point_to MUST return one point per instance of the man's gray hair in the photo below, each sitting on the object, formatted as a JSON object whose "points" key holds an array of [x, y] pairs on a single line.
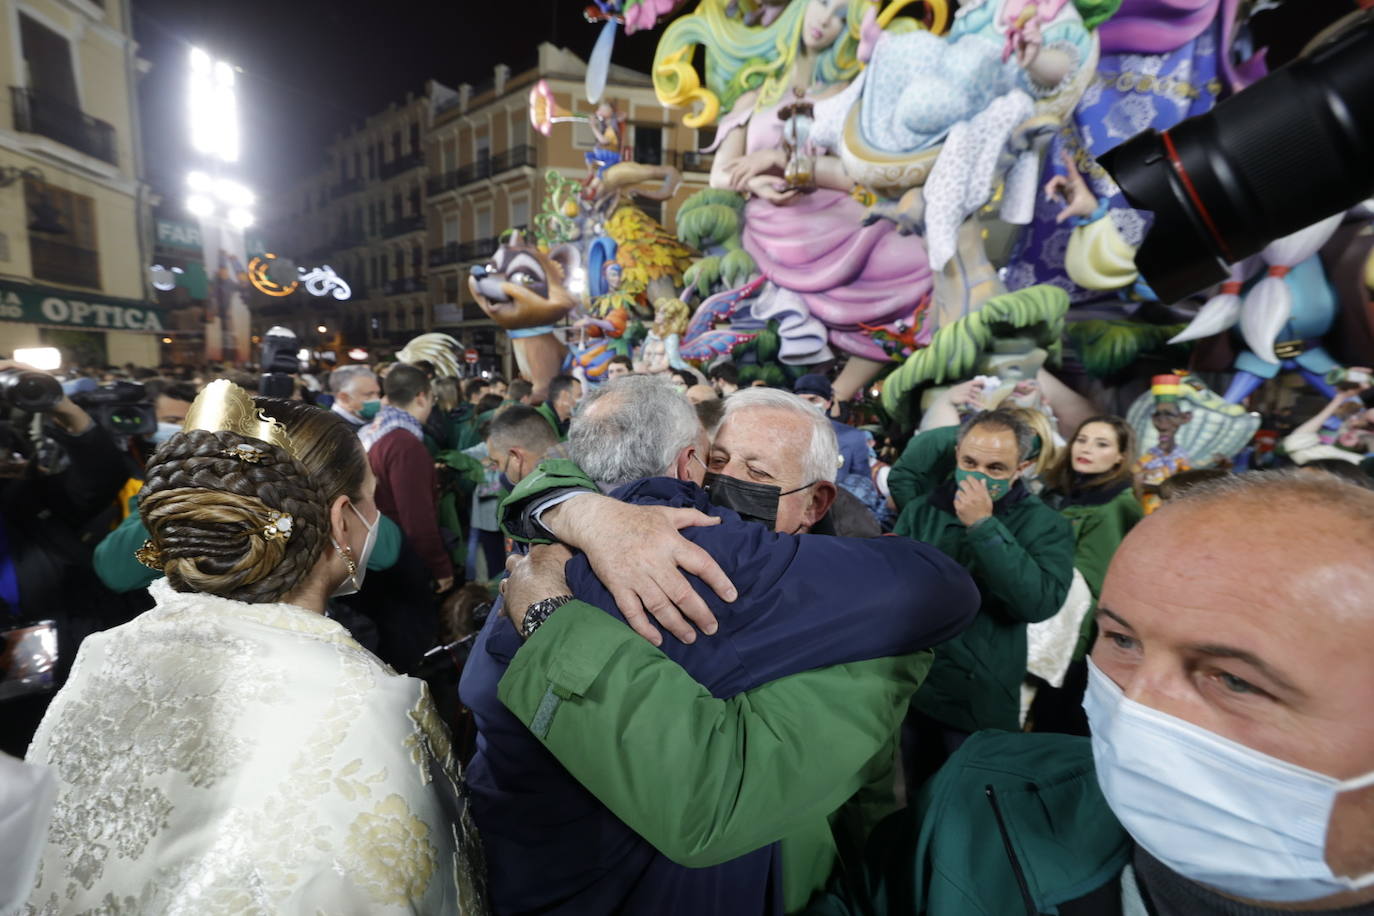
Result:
{"points": [[631, 428], [822, 458], [344, 376], [1003, 418]]}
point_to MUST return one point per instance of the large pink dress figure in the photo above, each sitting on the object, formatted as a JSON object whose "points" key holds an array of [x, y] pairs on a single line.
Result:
{"points": [[815, 245]]}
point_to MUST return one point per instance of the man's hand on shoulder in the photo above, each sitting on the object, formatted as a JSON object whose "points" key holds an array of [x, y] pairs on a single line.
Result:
{"points": [[638, 554]]}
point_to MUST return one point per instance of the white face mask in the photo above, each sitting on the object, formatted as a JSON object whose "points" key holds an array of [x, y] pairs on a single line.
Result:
{"points": [[1212, 810], [354, 582]]}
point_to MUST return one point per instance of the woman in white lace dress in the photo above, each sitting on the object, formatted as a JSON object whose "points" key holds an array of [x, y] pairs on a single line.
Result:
{"points": [[233, 750]]}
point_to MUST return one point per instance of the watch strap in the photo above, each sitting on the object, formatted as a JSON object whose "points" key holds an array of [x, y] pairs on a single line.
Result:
{"points": [[539, 612]]}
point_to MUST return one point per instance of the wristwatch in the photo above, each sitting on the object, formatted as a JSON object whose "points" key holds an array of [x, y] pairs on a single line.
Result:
{"points": [[539, 612]]}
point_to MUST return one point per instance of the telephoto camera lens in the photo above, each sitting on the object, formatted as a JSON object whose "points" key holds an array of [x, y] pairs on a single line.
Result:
{"points": [[1287, 152], [30, 391]]}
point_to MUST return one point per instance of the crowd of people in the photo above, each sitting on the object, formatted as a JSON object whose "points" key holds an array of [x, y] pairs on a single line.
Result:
{"points": [[668, 644]]}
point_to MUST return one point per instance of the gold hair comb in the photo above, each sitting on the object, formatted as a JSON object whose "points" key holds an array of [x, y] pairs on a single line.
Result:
{"points": [[149, 556], [225, 406]]}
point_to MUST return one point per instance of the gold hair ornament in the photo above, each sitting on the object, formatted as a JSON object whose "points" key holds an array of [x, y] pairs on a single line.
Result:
{"points": [[224, 406], [149, 556], [279, 525]]}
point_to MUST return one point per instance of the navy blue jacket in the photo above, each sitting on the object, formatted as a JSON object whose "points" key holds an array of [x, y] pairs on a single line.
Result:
{"points": [[853, 449], [805, 602]]}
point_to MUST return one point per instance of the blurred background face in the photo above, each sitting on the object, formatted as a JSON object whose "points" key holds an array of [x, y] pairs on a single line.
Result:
{"points": [[1095, 450]]}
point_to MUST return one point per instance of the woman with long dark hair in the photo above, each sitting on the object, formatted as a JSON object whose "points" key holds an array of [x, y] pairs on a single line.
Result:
{"points": [[1093, 486]]}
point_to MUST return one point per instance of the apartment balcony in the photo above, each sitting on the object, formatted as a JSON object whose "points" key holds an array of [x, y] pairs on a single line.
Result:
{"points": [[478, 249], [403, 225], [63, 263], [513, 158], [399, 166], [35, 114], [347, 186], [438, 184], [452, 253], [474, 171], [401, 285]]}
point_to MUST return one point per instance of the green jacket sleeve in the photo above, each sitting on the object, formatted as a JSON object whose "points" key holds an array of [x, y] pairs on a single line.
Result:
{"points": [[1029, 572], [114, 556], [924, 465], [1101, 533], [551, 477], [704, 780]]}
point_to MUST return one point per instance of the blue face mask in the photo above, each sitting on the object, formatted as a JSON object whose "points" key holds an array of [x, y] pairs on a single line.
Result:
{"points": [[164, 432]]}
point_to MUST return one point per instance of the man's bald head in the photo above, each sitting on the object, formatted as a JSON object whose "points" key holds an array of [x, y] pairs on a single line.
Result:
{"points": [[1246, 607]]}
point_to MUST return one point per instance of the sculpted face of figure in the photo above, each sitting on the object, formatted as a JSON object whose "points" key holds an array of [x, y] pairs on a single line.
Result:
{"points": [[1168, 418], [1258, 635], [823, 22]]}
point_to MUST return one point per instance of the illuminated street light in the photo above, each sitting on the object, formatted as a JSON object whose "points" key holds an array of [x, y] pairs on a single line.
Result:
{"points": [[240, 218], [322, 329], [214, 109], [200, 205], [201, 182]]}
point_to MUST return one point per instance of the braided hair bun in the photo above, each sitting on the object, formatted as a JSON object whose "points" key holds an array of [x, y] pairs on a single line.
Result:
{"points": [[249, 530]]}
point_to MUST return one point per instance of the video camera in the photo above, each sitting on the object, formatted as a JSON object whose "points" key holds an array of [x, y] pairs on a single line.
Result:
{"points": [[1285, 153], [121, 408], [280, 364], [29, 390]]}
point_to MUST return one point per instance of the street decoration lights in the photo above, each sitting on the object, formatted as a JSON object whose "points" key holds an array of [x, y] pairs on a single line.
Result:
{"points": [[223, 205]]}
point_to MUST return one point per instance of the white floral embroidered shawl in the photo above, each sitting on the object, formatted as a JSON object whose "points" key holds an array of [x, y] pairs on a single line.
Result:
{"points": [[220, 757]]}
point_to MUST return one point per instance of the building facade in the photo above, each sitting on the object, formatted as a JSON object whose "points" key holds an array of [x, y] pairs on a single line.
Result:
{"points": [[481, 172], [74, 233]]}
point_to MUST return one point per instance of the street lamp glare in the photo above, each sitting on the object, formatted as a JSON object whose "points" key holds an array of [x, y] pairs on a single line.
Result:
{"points": [[240, 218], [322, 329], [201, 182], [200, 205]]}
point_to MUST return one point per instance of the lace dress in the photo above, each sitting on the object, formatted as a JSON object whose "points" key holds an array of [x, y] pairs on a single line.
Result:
{"points": [[220, 757]]}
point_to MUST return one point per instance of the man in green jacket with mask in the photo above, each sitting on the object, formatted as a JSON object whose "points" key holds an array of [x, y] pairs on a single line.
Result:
{"points": [[960, 489]]}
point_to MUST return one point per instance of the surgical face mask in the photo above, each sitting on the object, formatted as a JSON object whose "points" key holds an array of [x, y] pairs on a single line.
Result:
{"points": [[997, 488], [354, 581], [755, 502], [1212, 810], [164, 432], [370, 409]]}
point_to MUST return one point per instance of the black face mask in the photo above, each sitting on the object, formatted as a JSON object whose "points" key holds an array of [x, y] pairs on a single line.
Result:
{"points": [[755, 502]]}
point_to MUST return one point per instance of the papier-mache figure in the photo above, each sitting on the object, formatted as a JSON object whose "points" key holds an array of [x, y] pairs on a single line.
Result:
{"points": [[1165, 459]]}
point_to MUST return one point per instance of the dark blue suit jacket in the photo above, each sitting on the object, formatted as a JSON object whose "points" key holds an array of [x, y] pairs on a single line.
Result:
{"points": [[805, 602]]}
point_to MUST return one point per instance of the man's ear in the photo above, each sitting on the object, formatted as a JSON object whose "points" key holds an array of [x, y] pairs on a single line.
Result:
{"points": [[1024, 466], [822, 498]]}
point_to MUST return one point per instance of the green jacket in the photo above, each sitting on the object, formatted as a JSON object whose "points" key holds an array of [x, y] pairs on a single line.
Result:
{"points": [[1022, 560], [1007, 811], [1098, 531], [707, 780], [117, 568], [551, 477], [548, 414]]}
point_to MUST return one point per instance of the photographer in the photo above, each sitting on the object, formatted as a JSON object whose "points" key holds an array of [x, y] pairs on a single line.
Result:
{"points": [[50, 490]]}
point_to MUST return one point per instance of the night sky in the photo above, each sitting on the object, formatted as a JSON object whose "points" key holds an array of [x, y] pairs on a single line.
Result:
{"points": [[310, 68]]}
